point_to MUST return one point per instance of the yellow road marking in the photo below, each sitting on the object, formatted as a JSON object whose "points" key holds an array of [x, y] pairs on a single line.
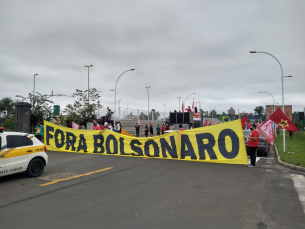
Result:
{"points": [[81, 175], [146, 158]]}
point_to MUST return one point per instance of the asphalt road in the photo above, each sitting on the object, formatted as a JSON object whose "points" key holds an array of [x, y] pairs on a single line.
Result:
{"points": [[151, 193]]}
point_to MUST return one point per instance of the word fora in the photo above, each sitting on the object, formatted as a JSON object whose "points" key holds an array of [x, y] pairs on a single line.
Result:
{"points": [[116, 145]]}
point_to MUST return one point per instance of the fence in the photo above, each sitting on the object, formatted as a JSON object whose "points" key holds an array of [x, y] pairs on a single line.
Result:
{"points": [[125, 113]]}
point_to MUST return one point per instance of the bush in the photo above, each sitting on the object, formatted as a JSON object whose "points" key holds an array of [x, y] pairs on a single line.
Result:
{"points": [[297, 124], [9, 124]]}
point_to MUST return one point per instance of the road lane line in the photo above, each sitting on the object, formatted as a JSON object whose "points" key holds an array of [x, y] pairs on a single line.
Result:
{"points": [[299, 185], [81, 175]]}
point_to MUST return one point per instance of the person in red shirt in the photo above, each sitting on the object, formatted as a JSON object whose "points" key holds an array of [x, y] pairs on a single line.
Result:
{"points": [[163, 128], [188, 109], [180, 126], [253, 140]]}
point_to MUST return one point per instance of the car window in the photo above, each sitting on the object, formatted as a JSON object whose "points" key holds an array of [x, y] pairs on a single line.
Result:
{"points": [[14, 141]]}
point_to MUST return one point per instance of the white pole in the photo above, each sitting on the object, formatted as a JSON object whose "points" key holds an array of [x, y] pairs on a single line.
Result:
{"points": [[115, 94]]}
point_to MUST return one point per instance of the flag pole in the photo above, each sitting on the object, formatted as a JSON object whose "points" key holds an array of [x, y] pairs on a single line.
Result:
{"points": [[238, 113]]}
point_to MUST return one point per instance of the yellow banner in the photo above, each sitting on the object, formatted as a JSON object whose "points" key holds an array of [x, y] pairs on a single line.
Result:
{"points": [[222, 143]]}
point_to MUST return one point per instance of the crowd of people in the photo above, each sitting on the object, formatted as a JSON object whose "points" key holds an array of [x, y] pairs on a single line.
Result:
{"points": [[149, 130]]}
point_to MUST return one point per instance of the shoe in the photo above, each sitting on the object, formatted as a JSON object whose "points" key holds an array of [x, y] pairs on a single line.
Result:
{"points": [[250, 166]]}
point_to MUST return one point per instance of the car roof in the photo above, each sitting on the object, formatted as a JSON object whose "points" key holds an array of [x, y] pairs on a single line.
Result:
{"points": [[13, 133]]}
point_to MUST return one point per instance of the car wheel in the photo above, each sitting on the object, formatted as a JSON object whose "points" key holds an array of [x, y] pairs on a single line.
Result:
{"points": [[35, 168]]}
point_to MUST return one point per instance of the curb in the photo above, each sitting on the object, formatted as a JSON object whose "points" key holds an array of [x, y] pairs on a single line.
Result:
{"points": [[278, 160]]}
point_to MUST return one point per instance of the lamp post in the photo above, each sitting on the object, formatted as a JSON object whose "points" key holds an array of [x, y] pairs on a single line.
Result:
{"points": [[34, 91], [88, 66], [179, 103], [282, 78], [119, 109], [273, 106], [98, 110], [164, 112], [213, 109], [115, 93], [187, 97], [148, 99]]}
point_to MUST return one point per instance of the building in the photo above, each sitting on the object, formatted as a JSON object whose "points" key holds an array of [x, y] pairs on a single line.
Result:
{"points": [[2, 114], [231, 111], [287, 110]]}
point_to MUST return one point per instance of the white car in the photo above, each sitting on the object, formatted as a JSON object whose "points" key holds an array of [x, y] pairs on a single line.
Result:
{"points": [[21, 152]]}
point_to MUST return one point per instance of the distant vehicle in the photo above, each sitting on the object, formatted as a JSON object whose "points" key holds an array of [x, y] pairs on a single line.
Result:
{"points": [[263, 144], [21, 152]]}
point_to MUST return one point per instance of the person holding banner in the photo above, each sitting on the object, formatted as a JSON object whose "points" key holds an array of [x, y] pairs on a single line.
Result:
{"points": [[39, 131], [253, 140]]}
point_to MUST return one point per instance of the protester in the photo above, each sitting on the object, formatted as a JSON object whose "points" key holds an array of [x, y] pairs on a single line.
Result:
{"points": [[180, 126], [163, 128], [118, 128], [253, 140], [109, 113], [137, 130], [290, 134], [188, 109], [151, 130], [278, 130], [83, 127], [39, 131], [158, 130], [146, 130]]}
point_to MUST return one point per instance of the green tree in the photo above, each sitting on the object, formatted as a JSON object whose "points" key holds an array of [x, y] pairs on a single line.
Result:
{"points": [[259, 111], [41, 107], [6, 104], [143, 116], [9, 124], [81, 110]]}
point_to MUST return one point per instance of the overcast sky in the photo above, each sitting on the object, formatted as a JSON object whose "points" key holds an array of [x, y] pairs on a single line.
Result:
{"points": [[176, 47]]}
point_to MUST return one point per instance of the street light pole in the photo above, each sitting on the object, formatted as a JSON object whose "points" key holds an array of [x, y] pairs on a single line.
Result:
{"points": [[88, 66], [187, 97], [115, 93], [273, 107], [119, 109], [179, 103], [213, 110], [148, 99], [282, 77], [34, 91]]}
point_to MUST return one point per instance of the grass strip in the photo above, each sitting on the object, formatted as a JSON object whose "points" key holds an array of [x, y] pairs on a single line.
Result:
{"points": [[295, 148]]}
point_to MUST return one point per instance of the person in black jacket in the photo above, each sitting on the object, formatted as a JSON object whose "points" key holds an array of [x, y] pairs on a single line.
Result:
{"points": [[137, 130], [151, 130]]}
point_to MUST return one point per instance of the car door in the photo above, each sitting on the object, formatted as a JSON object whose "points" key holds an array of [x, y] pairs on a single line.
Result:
{"points": [[2, 159], [18, 153]]}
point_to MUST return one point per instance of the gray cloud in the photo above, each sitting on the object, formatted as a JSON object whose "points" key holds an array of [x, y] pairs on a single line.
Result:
{"points": [[176, 47]]}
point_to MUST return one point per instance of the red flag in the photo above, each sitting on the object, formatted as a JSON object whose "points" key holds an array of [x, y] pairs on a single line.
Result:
{"points": [[182, 106], [244, 122], [281, 119], [96, 123], [139, 121], [193, 106], [150, 124], [266, 130]]}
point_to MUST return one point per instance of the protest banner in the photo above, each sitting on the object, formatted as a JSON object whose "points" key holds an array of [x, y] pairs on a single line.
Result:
{"points": [[219, 144], [266, 130]]}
